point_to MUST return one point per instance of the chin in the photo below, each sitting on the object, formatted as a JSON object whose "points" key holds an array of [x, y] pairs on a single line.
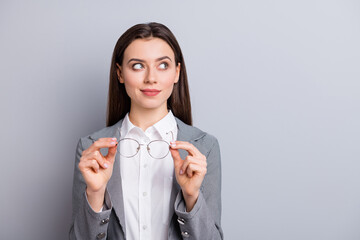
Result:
{"points": [[152, 106]]}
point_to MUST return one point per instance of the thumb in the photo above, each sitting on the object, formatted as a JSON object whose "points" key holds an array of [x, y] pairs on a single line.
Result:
{"points": [[111, 154], [177, 159]]}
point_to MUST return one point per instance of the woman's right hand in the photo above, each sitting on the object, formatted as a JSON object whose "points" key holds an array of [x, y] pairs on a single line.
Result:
{"points": [[97, 170]]}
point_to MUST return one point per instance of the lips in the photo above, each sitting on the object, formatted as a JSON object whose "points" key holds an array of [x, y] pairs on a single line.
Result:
{"points": [[150, 92]]}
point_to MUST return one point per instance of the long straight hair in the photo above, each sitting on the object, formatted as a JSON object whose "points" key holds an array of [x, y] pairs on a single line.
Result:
{"points": [[118, 100]]}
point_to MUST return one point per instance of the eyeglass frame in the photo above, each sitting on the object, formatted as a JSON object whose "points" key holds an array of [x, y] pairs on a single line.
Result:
{"points": [[147, 146]]}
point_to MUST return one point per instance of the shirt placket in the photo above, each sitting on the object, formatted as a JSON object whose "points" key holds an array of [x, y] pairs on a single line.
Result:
{"points": [[144, 192]]}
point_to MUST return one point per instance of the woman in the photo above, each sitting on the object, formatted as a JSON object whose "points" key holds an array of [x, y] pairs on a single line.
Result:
{"points": [[126, 184]]}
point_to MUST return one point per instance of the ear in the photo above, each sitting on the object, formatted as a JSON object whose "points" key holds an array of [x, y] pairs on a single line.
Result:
{"points": [[119, 73], [178, 67]]}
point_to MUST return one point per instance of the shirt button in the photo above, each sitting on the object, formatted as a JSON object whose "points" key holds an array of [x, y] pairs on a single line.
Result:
{"points": [[144, 227], [145, 165], [144, 194]]}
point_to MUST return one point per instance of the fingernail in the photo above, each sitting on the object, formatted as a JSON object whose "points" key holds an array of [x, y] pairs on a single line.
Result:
{"points": [[181, 172], [114, 139], [113, 143], [106, 166], [173, 144]]}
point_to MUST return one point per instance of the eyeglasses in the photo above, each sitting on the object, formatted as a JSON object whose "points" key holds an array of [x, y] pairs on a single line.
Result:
{"points": [[157, 149]]}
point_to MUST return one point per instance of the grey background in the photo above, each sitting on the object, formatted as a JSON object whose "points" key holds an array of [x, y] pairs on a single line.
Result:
{"points": [[277, 82]]}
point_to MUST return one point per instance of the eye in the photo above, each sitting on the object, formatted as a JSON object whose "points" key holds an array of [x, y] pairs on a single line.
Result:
{"points": [[137, 66], [163, 65]]}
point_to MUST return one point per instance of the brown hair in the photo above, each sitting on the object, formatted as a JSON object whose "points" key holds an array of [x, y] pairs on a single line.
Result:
{"points": [[119, 101]]}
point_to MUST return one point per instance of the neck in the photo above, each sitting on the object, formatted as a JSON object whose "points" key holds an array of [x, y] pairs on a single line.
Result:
{"points": [[144, 118]]}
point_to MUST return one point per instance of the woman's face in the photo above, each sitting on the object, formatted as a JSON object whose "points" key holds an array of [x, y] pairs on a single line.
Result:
{"points": [[149, 72]]}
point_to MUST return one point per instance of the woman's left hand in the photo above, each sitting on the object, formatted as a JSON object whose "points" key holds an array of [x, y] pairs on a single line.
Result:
{"points": [[189, 172]]}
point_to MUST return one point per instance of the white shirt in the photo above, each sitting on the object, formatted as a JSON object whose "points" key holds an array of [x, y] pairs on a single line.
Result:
{"points": [[147, 182]]}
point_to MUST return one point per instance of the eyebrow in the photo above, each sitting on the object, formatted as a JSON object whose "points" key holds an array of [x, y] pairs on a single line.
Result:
{"points": [[157, 60]]}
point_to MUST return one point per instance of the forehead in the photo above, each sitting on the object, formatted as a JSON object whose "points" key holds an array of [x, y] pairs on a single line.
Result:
{"points": [[148, 49]]}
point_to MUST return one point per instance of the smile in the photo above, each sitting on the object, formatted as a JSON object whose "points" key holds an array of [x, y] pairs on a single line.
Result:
{"points": [[150, 92]]}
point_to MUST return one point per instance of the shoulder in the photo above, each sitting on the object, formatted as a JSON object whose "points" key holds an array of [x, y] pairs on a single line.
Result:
{"points": [[111, 131], [201, 139]]}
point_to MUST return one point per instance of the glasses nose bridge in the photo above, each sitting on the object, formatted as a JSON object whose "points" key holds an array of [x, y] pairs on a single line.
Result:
{"points": [[149, 150], [144, 144]]}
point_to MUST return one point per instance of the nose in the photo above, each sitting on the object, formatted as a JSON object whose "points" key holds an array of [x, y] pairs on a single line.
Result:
{"points": [[151, 76]]}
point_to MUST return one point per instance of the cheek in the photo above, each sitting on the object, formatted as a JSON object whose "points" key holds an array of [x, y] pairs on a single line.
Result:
{"points": [[169, 83], [169, 79], [168, 88], [131, 80]]}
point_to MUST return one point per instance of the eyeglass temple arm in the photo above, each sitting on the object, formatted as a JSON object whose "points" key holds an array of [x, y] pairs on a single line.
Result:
{"points": [[172, 136]]}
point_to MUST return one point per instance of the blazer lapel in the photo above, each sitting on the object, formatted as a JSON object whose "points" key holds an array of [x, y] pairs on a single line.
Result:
{"points": [[181, 136], [115, 184], [188, 134]]}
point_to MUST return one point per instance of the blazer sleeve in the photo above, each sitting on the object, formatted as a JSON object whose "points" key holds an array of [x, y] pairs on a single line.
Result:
{"points": [[203, 221], [86, 224]]}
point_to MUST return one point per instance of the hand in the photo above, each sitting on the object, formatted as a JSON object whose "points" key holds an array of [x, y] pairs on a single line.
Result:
{"points": [[189, 172], [97, 169]]}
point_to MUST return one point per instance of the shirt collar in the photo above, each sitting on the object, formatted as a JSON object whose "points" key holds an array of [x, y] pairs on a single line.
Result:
{"points": [[126, 126], [163, 127], [166, 125]]}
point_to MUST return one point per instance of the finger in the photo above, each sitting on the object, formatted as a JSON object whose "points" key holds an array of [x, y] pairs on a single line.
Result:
{"points": [[102, 143], [186, 162], [95, 143], [186, 146], [200, 160], [90, 164], [98, 157], [193, 169], [111, 154], [177, 159]]}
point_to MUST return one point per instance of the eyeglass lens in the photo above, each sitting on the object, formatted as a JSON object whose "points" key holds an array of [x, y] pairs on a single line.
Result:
{"points": [[157, 149], [128, 147]]}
